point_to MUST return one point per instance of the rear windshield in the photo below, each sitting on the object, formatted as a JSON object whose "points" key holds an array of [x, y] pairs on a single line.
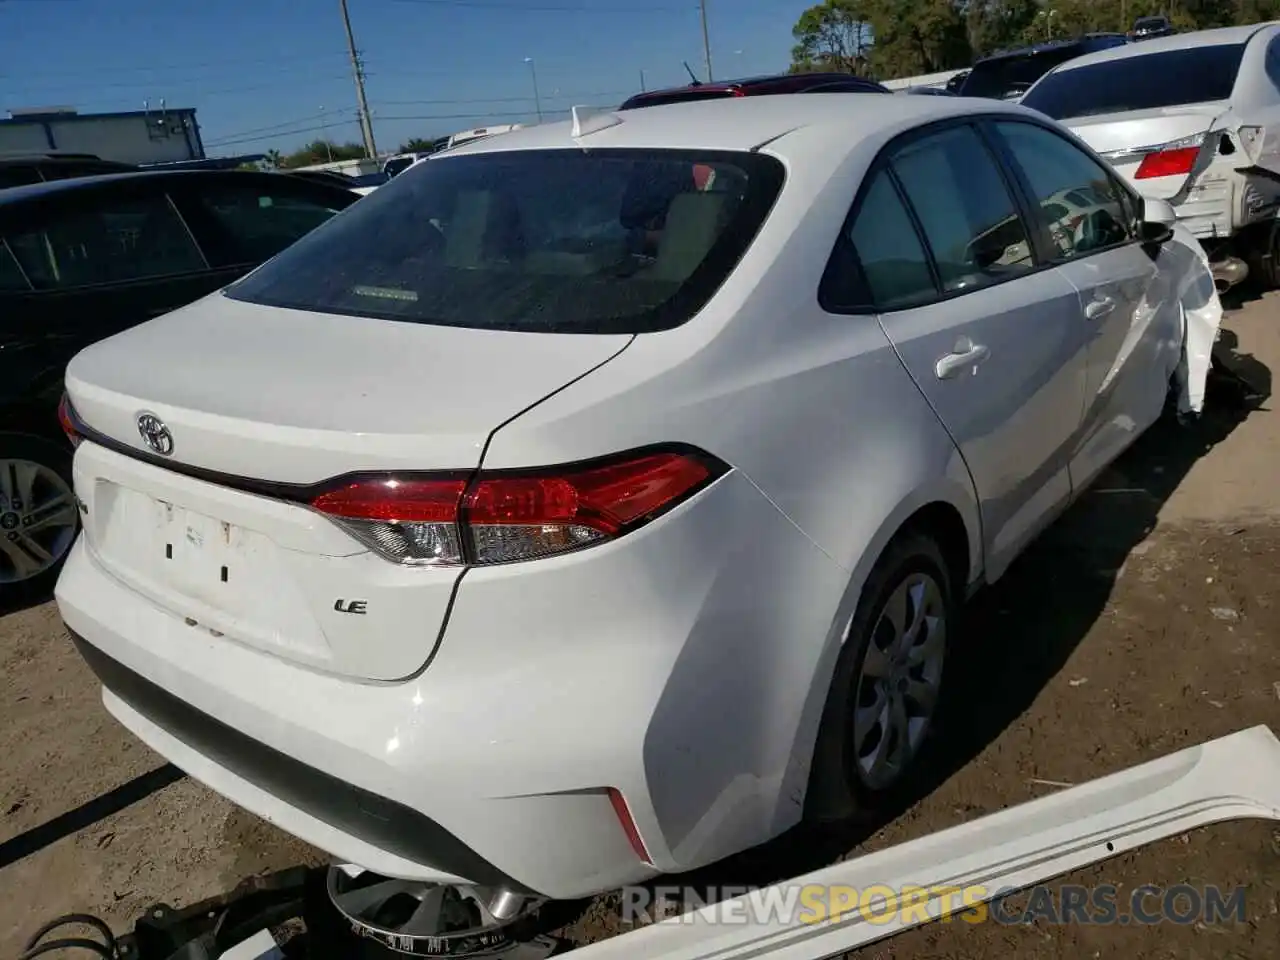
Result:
{"points": [[1010, 76], [1141, 82], [558, 241]]}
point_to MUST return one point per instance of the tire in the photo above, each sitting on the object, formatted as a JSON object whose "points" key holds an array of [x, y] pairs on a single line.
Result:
{"points": [[35, 488], [844, 779], [1263, 255]]}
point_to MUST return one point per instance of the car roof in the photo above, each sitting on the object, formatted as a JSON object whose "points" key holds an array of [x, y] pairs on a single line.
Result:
{"points": [[1049, 46], [52, 187], [747, 84], [736, 123], [1220, 36]]}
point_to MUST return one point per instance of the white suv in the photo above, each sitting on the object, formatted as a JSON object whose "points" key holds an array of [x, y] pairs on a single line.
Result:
{"points": [[589, 501]]}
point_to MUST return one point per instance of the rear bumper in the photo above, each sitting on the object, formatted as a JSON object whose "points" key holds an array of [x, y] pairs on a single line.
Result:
{"points": [[378, 828], [677, 666]]}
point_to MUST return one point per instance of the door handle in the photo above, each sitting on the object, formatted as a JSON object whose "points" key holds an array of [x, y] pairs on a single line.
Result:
{"points": [[966, 354], [1097, 309]]}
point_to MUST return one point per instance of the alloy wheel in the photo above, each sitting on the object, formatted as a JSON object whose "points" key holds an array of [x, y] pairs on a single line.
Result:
{"points": [[899, 681], [38, 519]]}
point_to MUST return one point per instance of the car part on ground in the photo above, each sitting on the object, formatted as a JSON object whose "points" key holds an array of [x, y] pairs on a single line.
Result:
{"points": [[1232, 778], [1235, 777], [1193, 118], [540, 529]]}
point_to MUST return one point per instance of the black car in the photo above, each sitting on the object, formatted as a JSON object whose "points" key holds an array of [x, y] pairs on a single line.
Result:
{"points": [[1009, 74], [1148, 28], [19, 171], [82, 259], [757, 87]]}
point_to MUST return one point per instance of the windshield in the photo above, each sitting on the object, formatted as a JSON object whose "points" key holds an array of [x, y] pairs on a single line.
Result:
{"points": [[1009, 76], [561, 241], [1140, 82]]}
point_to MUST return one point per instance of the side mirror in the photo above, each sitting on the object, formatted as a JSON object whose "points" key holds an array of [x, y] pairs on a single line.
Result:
{"points": [[1158, 218]]}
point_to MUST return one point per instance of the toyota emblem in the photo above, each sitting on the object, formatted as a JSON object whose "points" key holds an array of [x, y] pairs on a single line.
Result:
{"points": [[155, 434]]}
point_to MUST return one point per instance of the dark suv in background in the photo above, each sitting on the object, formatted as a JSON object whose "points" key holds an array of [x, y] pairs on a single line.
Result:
{"points": [[1008, 75], [757, 87], [23, 169], [82, 258]]}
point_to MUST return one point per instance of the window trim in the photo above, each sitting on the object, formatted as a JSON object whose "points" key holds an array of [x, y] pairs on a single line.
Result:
{"points": [[22, 271], [100, 201], [883, 158], [1052, 258], [221, 243]]}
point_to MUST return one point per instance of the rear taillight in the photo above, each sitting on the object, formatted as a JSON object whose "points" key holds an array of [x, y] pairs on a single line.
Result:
{"points": [[1171, 160], [505, 516], [67, 420]]}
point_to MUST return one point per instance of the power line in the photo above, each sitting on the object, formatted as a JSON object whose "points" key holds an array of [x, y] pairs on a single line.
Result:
{"points": [[593, 9], [554, 96], [235, 139], [155, 83], [181, 67], [276, 128]]}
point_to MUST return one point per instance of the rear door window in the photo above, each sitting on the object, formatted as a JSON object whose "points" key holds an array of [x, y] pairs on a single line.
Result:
{"points": [[103, 240], [885, 265], [576, 241], [969, 218], [1144, 81], [256, 223]]}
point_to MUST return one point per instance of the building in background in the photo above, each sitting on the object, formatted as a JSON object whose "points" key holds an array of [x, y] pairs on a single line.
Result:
{"points": [[142, 136]]}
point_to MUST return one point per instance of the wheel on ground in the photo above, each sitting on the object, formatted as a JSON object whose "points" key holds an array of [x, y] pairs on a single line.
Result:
{"points": [[38, 516], [887, 683]]}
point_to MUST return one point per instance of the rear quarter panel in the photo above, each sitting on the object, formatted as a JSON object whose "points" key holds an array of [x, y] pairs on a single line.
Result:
{"points": [[818, 413]]}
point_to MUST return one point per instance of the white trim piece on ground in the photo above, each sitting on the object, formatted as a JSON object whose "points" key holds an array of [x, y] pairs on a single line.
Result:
{"points": [[1232, 778]]}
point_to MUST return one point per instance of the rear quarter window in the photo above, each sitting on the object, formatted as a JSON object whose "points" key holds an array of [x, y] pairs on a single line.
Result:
{"points": [[559, 241], [1140, 82]]}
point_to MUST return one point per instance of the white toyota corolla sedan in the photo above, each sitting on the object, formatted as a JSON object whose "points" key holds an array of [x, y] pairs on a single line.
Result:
{"points": [[595, 501]]}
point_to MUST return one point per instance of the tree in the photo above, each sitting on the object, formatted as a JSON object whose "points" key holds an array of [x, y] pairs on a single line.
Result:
{"points": [[993, 25], [834, 35], [415, 145], [321, 151], [273, 159], [914, 37]]}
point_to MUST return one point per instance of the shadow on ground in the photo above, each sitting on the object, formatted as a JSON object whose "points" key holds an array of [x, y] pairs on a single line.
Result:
{"points": [[1018, 635]]}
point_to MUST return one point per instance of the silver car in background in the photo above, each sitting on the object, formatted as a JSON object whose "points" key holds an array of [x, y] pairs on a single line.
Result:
{"points": [[1193, 119]]}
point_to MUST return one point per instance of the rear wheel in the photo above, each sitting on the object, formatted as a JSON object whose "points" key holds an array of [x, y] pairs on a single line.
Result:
{"points": [[38, 516], [887, 683]]}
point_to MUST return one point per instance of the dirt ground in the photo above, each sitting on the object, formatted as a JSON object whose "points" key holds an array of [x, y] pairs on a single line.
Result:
{"points": [[1145, 621]]}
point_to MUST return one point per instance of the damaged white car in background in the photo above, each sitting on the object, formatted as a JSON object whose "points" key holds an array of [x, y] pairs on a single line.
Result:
{"points": [[1193, 119]]}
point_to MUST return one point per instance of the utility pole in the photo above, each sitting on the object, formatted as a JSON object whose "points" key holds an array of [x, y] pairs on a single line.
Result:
{"points": [[706, 37], [366, 125]]}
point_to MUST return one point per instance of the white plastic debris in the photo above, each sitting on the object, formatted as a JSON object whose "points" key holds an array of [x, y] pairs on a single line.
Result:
{"points": [[1186, 260]]}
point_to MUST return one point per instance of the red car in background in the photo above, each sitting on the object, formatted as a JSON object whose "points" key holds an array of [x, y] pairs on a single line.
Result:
{"points": [[757, 87]]}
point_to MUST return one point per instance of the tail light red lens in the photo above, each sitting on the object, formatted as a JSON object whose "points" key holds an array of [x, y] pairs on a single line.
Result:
{"points": [[506, 516], [1167, 163], [67, 420]]}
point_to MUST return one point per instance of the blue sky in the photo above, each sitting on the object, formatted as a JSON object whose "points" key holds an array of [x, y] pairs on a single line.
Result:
{"points": [[274, 73]]}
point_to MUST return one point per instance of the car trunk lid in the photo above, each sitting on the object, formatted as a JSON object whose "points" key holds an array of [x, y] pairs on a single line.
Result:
{"points": [[1126, 139], [263, 405]]}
